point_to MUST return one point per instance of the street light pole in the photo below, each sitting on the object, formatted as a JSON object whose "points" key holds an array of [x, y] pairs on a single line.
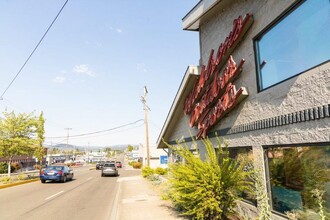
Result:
{"points": [[67, 143], [146, 109]]}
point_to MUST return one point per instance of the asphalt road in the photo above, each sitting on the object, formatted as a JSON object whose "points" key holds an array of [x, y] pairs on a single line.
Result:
{"points": [[88, 196]]}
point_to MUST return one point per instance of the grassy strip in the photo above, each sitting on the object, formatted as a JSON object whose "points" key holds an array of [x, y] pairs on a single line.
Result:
{"points": [[18, 183]]}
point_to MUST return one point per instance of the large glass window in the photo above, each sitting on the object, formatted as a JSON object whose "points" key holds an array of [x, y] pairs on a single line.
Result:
{"points": [[296, 43], [244, 155], [300, 180]]}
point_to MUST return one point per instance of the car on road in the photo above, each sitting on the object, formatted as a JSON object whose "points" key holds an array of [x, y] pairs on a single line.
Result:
{"points": [[119, 165], [59, 173], [109, 169], [99, 165]]}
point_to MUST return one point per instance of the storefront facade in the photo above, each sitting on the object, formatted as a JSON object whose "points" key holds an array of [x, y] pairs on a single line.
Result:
{"points": [[263, 84]]}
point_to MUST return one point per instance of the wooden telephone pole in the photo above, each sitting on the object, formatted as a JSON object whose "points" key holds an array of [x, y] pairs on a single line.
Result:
{"points": [[67, 143], [146, 109]]}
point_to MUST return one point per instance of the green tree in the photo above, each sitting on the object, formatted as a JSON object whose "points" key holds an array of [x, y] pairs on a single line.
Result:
{"points": [[206, 189], [55, 151], [107, 150], [79, 152], [39, 151], [130, 148], [18, 136]]}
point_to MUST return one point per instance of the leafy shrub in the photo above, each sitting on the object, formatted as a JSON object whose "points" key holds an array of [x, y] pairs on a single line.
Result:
{"points": [[20, 177], [16, 166], [206, 190], [71, 164], [137, 165], [154, 178], [4, 167], [160, 171], [5, 179], [147, 171], [37, 166]]}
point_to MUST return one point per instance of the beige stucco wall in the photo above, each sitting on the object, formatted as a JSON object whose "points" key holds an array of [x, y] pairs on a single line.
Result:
{"points": [[308, 90]]}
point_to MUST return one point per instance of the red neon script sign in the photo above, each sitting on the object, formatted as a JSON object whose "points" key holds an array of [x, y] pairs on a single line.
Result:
{"points": [[212, 93]]}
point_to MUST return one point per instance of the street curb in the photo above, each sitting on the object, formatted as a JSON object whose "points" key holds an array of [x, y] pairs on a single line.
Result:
{"points": [[18, 183], [115, 207]]}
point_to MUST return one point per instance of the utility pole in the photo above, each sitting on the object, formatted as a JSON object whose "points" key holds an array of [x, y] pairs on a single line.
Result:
{"points": [[146, 109], [67, 143]]}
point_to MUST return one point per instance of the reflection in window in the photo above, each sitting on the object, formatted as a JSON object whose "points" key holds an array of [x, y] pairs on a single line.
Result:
{"points": [[296, 43], [295, 173], [244, 155]]}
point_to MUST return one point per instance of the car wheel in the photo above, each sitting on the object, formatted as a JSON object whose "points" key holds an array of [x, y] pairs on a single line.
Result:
{"points": [[43, 181], [63, 179]]}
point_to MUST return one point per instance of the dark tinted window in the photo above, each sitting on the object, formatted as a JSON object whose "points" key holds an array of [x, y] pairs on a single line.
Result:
{"points": [[54, 168], [109, 165]]}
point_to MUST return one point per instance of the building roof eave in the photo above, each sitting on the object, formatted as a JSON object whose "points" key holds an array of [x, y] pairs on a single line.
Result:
{"points": [[202, 10], [186, 86]]}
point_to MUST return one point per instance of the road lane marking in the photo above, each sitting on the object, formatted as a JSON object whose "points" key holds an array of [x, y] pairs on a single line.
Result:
{"points": [[54, 195], [89, 178]]}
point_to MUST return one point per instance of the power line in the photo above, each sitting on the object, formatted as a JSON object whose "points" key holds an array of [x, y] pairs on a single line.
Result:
{"points": [[51, 143], [101, 135], [14, 106], [97, 132], [36, 47]]}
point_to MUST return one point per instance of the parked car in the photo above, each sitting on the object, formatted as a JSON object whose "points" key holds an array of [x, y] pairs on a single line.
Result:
{"points": [[119, 165], [99, 165], [109, 169], [59, 173]]}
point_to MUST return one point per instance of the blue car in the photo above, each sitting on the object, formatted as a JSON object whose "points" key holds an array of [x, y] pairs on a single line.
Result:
{"points": [[56, 173]]}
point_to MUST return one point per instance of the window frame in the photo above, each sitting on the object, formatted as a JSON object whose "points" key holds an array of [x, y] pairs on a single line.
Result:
{"points": [[268, 28], [248, 148], [267, 171]]}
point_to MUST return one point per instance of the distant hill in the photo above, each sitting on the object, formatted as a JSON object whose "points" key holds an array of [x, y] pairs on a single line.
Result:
{"points": [[71, 147]]}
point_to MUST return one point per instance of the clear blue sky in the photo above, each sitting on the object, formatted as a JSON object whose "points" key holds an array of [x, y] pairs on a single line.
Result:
{"points": [[89, 72]]}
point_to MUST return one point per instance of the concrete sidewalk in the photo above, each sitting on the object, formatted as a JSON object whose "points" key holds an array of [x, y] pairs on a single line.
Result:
{"points": [[138, 199]]}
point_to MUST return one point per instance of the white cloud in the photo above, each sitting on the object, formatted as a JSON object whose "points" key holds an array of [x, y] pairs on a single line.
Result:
{"points": [[118, 30], [141, 67], [59, 79], [83, 69]]}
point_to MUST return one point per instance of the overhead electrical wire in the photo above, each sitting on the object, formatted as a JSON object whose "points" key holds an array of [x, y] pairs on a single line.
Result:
{"points": [[35, 48], [55, 143], [105, 134], [97, 132]]}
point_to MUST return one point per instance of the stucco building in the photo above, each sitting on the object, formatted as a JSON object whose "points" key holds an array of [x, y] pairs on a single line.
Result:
{"points": [[263, 84]]}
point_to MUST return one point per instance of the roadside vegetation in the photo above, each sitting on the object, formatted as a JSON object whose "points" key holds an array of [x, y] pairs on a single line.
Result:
{"points": [[18, 178], [21, 134], [135, 164], [207, 189], [154, 175]]}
